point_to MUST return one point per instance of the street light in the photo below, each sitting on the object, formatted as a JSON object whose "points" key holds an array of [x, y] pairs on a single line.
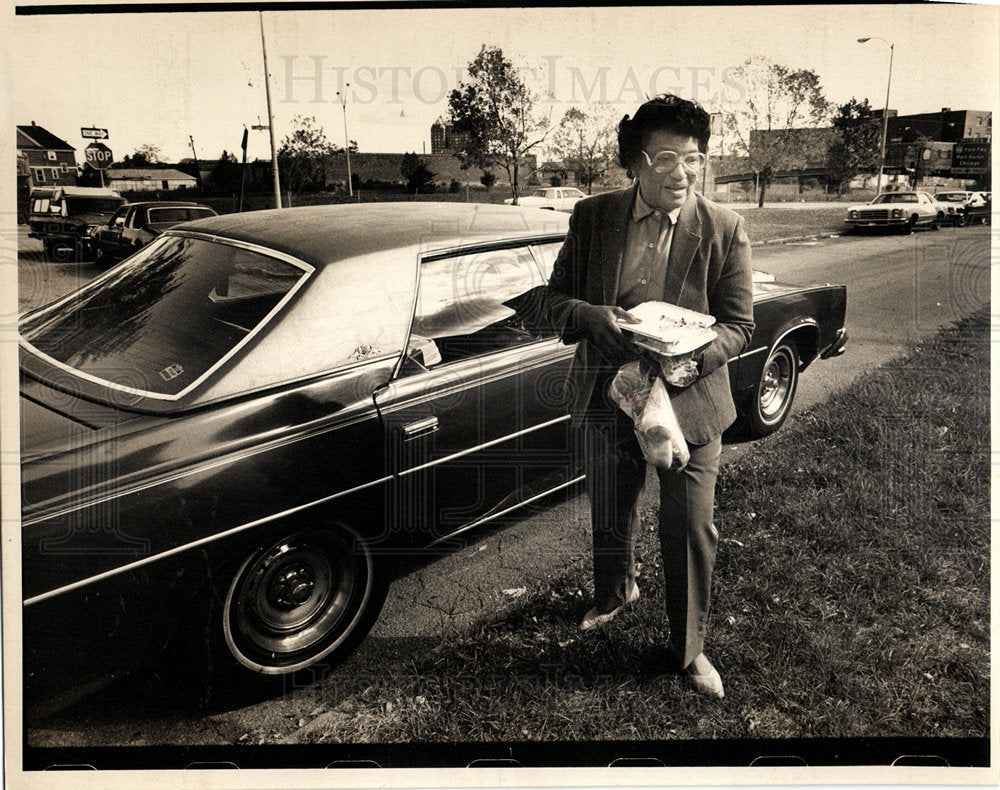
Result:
{"points": [[885, 111], [347, 143]]}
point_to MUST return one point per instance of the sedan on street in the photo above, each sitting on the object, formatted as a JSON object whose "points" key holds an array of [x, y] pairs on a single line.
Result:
{"points": [[902, 210], [232, 435], [554, 198], [134, 225], [964, 208]]}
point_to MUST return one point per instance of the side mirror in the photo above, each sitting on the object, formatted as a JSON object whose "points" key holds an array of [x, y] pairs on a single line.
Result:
{"points": [[423, 350]]}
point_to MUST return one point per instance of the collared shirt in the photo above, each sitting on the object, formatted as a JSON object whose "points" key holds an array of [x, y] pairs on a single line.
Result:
{"points": [[647, 248]]}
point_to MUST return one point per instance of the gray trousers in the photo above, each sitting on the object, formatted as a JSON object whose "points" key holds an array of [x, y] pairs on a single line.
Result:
{"points": [[616, 472]]}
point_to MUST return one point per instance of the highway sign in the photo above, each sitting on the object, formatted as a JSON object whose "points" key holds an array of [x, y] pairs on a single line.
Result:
{"points": [[970, 157], [98, 156], [96, 134]]}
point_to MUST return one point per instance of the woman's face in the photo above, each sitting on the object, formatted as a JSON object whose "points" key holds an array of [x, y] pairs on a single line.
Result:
{"points": [[666, 191]]}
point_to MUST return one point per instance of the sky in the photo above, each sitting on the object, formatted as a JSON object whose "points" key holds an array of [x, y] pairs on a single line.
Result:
{"points": [[166, 78]]}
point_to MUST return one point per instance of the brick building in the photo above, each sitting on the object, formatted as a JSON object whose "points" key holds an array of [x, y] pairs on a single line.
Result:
{"points": [[444, 138], [924, 142]]}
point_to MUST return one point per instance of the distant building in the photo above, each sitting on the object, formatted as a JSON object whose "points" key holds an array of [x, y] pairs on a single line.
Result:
{"points": [[925, 143], [919, 148], [444, 138], [946, 126], [148, 179]]}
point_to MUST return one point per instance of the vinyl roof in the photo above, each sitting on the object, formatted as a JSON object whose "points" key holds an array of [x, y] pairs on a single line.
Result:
{"points": [[323, 234]]}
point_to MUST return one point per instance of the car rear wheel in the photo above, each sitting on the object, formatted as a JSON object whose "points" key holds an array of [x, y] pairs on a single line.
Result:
{"points": [[309, 596], [775, 391]]}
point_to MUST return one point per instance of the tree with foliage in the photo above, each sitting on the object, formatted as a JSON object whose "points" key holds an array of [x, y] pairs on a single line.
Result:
{"points": [[494, 110], [585, 141], [143, 156], [418, 176], [226, 173], [302, 157], [857, 148], [778, 103]]}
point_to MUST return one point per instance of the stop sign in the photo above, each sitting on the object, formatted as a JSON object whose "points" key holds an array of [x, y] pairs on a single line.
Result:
{"points": [[98, 156]]}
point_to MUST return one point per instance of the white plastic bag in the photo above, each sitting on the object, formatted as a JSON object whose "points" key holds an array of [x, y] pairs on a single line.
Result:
{"points": [[645, 400]]}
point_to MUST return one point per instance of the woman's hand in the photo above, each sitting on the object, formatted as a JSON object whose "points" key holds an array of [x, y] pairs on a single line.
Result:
{"points": [[600, 323]]}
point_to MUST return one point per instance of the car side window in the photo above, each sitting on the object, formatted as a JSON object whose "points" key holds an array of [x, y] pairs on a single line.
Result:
{"points": [[118, 218], [545, 255], [473, 304]]}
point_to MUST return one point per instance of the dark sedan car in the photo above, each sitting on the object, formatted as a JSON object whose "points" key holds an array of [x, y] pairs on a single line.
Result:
{"points": [[134, 225], [234, 430]]}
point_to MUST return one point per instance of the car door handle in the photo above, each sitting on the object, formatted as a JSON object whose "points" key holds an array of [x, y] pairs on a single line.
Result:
{"points": [[420, 428]]}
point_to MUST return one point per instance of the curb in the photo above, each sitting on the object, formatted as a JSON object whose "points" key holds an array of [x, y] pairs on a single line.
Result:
{"points": [[793, 239]]}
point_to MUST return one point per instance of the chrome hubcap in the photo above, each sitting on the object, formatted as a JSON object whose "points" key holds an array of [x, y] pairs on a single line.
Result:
{"points": [[292, 588], [775, 385]]}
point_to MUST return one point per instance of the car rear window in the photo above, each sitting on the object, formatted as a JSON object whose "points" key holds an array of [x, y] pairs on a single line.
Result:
{"points": [[177, 214], [164, 320], [91, 205]]}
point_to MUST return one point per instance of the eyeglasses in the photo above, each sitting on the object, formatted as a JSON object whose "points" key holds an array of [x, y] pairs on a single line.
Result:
{"points": [[666, 161]]}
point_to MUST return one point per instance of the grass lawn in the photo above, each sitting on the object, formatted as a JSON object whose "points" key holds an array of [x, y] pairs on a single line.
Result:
{"points": [[781, 222], [851, 596]]}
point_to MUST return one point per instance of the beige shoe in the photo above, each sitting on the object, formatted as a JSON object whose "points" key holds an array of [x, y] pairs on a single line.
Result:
{"points": [[704, 678], [594, 618]]}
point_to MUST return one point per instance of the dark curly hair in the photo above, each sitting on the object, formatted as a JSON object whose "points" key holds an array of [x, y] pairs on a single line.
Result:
{"points": [[669, 113]]}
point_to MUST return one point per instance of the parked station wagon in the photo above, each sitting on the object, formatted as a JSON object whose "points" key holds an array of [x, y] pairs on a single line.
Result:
{"points": [[235, 430]]}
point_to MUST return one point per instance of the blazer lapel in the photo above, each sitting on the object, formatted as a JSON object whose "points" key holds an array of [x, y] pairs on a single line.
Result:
{"points": [[613, 245], [687, 238]]}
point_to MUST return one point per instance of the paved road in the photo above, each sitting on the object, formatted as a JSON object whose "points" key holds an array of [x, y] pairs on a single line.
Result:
{"points": [[900, 289]]}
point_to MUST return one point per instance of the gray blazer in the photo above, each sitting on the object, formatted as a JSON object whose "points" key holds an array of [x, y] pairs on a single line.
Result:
{"points": [[708, 270]]}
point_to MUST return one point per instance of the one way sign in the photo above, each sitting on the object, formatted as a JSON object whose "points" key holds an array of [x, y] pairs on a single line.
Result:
{"points": [[96, 134]]}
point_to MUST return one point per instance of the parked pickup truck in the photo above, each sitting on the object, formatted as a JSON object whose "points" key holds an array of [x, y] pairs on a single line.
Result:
{"points": [[62, 217]]}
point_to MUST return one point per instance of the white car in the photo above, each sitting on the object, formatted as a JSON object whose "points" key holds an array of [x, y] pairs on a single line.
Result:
{"points": [[903, 210], [555, 198]]}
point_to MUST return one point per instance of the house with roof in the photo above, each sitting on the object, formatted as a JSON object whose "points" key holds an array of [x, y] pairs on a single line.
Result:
{"points": [[43, 159], [148, 179]]}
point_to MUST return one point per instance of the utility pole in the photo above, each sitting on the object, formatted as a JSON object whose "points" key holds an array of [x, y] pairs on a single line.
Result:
{"points": [[197, 167], [243, 169], [270, 116], [347, 143]]}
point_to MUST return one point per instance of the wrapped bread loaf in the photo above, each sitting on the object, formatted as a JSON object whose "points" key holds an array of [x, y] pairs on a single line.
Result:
{"points": [[644, 398]]}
